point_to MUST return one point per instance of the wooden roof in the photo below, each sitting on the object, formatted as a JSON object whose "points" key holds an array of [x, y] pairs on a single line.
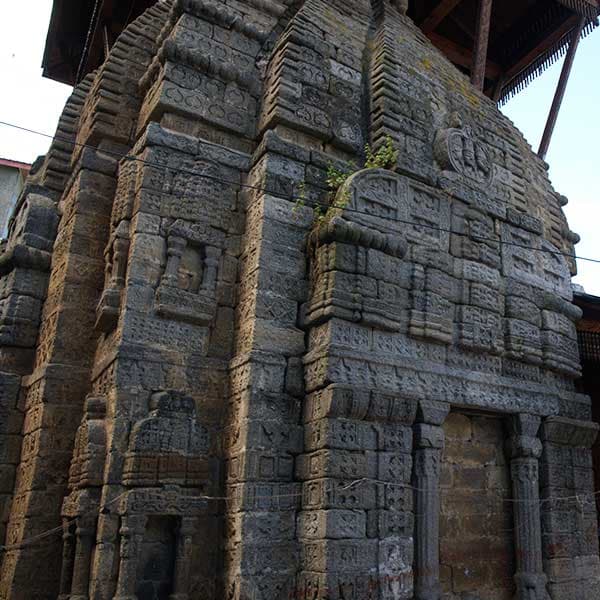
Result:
{"points": [[79, 32], [526, 36]]}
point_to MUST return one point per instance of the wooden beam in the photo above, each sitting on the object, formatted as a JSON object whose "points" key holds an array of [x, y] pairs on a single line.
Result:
{"points": [[538, 49], [561, 88], [462, 56], [546, 43], [482, 38], [438, 14], [462, 26]]}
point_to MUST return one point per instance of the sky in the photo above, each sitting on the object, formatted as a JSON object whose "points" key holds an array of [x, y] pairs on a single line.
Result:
{"points": [[29, 100]]}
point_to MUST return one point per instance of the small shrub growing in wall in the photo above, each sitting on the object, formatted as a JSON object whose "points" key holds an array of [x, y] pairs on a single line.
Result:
{"points": [[386, 157]]}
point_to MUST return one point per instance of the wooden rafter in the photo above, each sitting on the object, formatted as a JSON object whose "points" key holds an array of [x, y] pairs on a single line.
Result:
{"points": [[462, 26], [523, 62], [540, 48], [438, 14], [462, 56], [478, 69]]}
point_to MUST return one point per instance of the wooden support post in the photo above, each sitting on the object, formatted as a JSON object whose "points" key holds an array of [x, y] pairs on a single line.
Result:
{"points": [[484, 18], [560, 90]]}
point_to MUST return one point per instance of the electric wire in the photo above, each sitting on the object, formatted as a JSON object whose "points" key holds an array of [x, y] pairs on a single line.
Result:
{"points": [[236, 499], [576, 498], [471, 236]]}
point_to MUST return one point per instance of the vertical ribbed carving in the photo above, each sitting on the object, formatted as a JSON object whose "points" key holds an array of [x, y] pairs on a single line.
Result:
{"points": [[526, 449], [429, 446]]}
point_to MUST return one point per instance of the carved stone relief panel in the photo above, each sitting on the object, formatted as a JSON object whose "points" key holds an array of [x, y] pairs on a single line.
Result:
{"points": [[87, 465], [169, 446], [188, 287], [116, 256], [457, 149]]}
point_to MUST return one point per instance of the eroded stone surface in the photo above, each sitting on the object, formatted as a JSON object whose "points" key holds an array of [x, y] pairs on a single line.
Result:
{"points": [[218, 399]]}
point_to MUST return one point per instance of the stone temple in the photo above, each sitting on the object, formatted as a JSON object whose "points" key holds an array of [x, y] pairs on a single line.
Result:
{"points": [[209, 393]]}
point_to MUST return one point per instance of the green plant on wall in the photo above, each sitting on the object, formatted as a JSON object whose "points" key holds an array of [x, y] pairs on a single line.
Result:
{"points": [[386, 157]]}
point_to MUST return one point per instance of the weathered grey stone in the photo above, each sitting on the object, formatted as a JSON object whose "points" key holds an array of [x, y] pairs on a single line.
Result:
{"points": [[208, 379]]}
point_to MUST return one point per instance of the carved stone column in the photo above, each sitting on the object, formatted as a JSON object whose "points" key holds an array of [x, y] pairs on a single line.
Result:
{"points": [[132, 534], [211, 265], [85, 536], [525, 450], [68, 556], [181, 579], [429, 445], [176, 246]]}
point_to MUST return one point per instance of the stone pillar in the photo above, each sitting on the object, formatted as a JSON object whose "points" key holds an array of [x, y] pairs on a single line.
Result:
{"points": [[211, 265], [85, 537], [176, 246], [68, 556], [181, 578], [429, 445], [525, 450], [132, 534]]}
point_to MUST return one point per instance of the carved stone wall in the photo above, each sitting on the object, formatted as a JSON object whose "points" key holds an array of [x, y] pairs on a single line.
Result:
{"points": [[219, 396]]}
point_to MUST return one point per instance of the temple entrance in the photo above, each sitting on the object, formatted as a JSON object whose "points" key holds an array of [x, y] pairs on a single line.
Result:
{"points": [[154, 579], [477, 557]]}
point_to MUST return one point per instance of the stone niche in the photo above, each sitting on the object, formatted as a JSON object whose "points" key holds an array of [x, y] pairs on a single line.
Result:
{"points": [[187, 290], [316, 374], [477, 557]]}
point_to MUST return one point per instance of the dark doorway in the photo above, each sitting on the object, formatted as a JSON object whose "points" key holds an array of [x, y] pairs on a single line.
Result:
{"points": [[157, 559]]}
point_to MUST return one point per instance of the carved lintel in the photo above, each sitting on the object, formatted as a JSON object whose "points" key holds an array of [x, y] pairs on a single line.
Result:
{"points": [[178, 456], [338, 229]]}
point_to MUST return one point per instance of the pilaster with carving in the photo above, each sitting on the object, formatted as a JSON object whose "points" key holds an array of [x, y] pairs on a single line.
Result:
{"points": [[181, 579], [85, 533], [429, 446], [132, 534], [525, 449], [68, 558]]}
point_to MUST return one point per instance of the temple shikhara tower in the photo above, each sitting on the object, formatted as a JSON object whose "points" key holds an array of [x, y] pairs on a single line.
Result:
{"points": [[241, 361]]}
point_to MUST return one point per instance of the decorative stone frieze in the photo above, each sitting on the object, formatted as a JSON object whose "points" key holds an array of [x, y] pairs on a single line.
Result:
{"points": [[219, 395]]}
